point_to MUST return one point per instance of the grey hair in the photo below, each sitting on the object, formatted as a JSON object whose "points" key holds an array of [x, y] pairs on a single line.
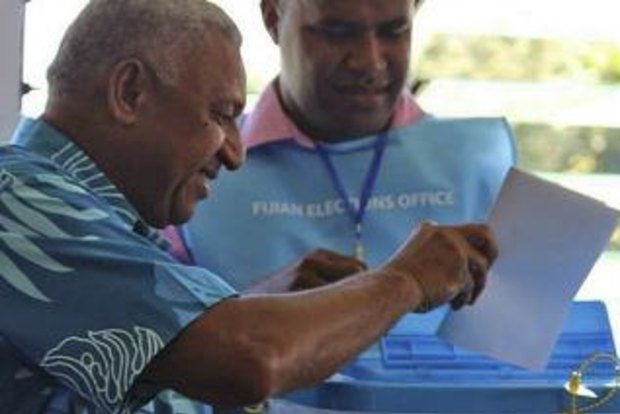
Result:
{"points": [[107, 31]]}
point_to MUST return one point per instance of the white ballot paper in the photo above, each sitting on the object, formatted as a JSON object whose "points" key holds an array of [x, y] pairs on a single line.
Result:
{"points": [[549, 238]]}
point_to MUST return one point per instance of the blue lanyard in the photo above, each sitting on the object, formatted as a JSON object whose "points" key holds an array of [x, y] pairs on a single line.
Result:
{"points": [[356, 215]]}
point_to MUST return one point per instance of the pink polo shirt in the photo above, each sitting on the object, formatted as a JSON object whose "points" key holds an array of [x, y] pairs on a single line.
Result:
{"points": [[268, 123]]}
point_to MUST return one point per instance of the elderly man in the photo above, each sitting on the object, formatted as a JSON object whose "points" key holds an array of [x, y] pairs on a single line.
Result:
{"points": [[96, 316], [340, 155]]}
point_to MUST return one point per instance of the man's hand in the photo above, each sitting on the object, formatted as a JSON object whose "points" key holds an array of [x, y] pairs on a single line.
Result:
{"points": [[449, 264], [317, 268], [322, 267]]}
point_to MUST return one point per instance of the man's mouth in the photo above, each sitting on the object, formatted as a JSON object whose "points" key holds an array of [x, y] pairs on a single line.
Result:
{"points": [[208, 175], [361, 89], [364, 97]]}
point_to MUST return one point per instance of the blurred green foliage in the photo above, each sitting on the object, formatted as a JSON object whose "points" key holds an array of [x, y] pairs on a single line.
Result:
{"points": [[588, 149], [508, 58], [568, 149], [574, 150]]}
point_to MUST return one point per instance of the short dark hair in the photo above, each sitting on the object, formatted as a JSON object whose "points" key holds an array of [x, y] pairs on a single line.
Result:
{"points": [[107, 31]]}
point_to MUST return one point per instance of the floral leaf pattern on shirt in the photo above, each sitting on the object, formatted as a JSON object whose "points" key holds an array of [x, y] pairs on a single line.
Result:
{"points": [[18, 279], [51, 205], [102, 365], [27, 217]]}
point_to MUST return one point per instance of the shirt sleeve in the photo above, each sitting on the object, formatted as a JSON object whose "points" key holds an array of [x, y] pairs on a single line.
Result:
{"points": [[84, 297]]}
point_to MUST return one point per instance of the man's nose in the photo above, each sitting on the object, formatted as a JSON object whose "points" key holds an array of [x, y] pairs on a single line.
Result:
{"points": [[232, 153], [367, 53]]}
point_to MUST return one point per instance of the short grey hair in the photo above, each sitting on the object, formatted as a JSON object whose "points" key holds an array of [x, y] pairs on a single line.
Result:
{"points": [[107, 31]]}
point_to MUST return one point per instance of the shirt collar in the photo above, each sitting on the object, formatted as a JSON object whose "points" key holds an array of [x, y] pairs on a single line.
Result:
{"points": [[269, 123], [45, 140]]}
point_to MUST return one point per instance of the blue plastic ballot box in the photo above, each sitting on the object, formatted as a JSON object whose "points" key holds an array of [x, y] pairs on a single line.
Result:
{"points": [[413, 371]]}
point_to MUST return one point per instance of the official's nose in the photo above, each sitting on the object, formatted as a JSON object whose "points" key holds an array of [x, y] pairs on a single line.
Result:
{"points": [[367, 55]]}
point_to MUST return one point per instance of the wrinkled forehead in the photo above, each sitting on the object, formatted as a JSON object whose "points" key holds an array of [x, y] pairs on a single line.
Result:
{"points": [[351, 10]]}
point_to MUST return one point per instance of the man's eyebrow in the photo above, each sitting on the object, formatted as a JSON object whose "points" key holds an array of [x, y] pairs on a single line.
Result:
{"points": [[339, 22], [398, 21], [351, 24]]}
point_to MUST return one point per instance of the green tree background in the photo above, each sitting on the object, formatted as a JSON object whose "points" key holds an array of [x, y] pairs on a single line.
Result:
{"points": [[587, 149]]}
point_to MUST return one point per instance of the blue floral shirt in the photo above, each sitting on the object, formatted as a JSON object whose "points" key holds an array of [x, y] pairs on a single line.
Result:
{"points": [[89, 294]]}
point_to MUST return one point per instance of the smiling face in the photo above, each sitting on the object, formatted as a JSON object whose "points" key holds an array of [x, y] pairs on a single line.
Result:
{"points": [[188, 131], [344, 63]]}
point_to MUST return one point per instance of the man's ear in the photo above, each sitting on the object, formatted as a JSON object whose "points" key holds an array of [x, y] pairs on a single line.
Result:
{"points": [[271, 18], [128, 85]]}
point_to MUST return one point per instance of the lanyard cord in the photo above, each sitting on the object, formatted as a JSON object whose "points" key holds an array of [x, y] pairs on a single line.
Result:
{"points": [[356, 215]]}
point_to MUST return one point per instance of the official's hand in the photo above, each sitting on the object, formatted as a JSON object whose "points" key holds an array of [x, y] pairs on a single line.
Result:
{"points": [[449, 263], [322, 267]]}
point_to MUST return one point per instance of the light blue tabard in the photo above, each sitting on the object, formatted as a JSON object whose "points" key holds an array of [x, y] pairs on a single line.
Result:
{"points": [[282, 203]]}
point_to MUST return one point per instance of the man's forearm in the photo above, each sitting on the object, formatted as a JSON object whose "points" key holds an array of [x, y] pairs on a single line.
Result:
{"points": [[249, 348]]}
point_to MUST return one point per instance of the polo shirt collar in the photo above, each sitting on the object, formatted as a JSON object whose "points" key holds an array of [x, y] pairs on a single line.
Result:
{"points": [[269, 123]]}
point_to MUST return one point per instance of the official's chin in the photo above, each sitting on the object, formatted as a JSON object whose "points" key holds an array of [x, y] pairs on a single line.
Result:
{"points": [[359, 120], [357, 125]]}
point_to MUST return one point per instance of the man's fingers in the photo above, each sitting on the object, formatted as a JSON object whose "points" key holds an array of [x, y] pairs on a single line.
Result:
{"points": [[473, 285], [337, 271], [474, 273], [481, 238], [333, 266], [459, 301], [478, 267], [329, 266], [308, 280], [483, 252]]}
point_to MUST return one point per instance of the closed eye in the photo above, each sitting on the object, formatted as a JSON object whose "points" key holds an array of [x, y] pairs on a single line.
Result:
{"points": [[394, 29], [338, 29], [222, 118]]}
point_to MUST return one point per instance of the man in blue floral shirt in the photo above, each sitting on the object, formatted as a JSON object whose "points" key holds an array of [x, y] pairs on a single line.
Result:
{"points": [[96, 316]]}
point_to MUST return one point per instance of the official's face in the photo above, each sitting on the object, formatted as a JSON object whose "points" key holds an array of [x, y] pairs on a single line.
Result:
{"points": [[344, 63]]}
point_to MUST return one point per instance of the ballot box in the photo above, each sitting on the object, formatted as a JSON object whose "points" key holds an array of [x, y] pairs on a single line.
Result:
{"points": [[413, 371]]}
